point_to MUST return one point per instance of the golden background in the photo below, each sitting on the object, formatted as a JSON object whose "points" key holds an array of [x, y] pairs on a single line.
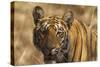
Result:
{"points": [[24, 51]]}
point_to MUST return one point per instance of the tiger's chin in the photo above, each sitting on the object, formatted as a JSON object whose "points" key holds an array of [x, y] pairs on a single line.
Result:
{"points": [[57, 55]]}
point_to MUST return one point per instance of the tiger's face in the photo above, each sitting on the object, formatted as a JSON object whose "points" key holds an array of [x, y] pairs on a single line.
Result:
{"points": [[53, 32]]}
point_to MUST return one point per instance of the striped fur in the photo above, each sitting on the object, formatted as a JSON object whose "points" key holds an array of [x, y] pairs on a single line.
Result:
{"points": [[64, 39]]}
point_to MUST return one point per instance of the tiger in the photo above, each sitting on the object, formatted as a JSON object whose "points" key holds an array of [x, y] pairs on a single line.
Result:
{"points": [[63, 38]]}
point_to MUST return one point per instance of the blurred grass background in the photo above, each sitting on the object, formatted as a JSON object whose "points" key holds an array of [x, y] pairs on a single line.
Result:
{"points": [[24, 51]]}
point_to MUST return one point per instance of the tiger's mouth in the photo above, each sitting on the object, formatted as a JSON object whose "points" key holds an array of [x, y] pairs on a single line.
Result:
{"points": [[59, 55]]}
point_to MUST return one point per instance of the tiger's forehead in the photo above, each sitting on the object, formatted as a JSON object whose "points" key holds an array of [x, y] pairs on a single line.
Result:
{"points": [[55, 22], [52, 19]]}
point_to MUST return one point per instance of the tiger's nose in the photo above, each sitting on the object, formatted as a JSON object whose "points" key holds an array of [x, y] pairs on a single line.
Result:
{"points": [[54, 51]]}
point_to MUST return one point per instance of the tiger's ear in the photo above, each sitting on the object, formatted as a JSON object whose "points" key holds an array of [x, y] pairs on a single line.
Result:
{"points": [[37, 13], [68, 18]]}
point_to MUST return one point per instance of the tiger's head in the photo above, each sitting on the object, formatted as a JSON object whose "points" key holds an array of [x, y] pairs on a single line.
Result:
{"points": [[51, 33]]}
